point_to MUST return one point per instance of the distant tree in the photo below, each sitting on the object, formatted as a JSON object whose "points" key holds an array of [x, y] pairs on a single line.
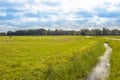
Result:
{"points": [[20, 32], [106, 31], [56, 32], [10, 33], [95, 32], [84, 32], [2, 34], [115, 32]]}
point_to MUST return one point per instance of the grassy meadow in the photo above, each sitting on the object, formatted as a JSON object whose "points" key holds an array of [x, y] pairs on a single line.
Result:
{"points": [[48, 57], [54, 57]]}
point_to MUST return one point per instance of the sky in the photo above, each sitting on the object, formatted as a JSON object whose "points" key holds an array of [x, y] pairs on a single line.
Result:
{"points": [[59, 14]]}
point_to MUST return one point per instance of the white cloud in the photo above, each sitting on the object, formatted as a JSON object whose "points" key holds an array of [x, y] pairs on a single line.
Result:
{"points": [[18, 1], [5, 28], [65, 11], [112, 8], [44, 20], [53, 1], [66, 6], [53, 18], [25, 19], [3, 14], [98, 20]]}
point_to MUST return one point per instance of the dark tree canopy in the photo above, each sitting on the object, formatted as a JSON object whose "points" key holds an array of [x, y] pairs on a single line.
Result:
{"points": [[85, 32], [2, 34]]}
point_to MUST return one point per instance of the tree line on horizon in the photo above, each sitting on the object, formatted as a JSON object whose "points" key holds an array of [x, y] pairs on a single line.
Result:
{"points": [[83, 32]]}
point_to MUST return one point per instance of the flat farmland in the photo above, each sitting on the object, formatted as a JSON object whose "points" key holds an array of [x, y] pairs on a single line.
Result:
{"points": [[48, 57]]}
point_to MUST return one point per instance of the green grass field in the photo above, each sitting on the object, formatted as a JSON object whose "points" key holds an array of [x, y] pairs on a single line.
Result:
{"points": [[53, 57]]}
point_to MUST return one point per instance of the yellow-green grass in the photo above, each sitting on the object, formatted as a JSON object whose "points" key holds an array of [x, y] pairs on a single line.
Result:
{"points": [[114, 59], [48, 57]]}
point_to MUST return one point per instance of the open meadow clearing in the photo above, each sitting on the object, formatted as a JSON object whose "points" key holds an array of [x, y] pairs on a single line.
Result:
{"points": [[54, 57], [48, 57]]}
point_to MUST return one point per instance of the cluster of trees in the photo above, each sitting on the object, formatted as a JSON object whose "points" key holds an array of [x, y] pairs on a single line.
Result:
{"points": [[93, 32], [2, 34]]}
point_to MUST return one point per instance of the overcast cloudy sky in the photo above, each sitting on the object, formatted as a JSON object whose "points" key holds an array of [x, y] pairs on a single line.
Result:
{"points": [[60, 14]]}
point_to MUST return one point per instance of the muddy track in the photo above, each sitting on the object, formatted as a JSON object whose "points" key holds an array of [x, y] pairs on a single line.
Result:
{"points": [[101, 70]]}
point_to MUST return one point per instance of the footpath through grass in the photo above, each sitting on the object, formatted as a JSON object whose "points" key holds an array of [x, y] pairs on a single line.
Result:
{"points": [[114, 60], [48, 57]]}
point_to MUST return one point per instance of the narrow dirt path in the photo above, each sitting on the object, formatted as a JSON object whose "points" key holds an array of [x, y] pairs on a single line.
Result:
{"points": [[113, 39], [101, 71]]}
